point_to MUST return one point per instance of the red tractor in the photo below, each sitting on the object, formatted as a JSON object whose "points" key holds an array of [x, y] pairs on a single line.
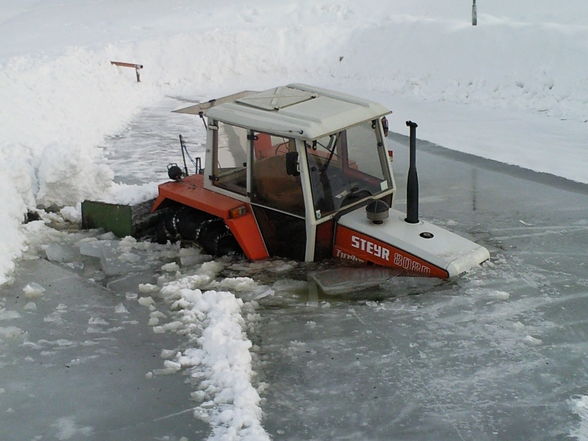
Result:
{"points": [[303, 173]]}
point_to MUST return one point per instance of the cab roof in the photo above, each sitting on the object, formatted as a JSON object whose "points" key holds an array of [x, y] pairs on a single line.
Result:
{"points": [[296, 110]]}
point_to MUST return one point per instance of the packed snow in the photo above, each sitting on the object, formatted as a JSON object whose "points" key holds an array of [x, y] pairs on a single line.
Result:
{"points": [[513, 89]]}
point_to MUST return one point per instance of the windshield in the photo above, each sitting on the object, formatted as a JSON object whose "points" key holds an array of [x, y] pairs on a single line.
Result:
{"points": [[346, 167]]}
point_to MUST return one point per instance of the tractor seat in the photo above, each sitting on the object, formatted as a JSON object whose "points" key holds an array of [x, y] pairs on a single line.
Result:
{"points": [[272, 186]]}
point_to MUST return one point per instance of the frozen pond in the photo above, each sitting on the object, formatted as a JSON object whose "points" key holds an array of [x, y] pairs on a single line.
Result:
{"points": [[499, 354]]}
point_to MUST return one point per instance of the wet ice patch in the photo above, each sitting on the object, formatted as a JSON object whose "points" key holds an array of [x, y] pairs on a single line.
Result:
{"points": [[533, 341], [10, 332], [67, 428], [499, 295], [579, 406], [488, 293], [8, 315]]}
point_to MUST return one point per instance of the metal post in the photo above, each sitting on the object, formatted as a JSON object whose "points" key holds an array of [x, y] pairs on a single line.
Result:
{"points": [[135, 66], [412, 186], [474, 14]]}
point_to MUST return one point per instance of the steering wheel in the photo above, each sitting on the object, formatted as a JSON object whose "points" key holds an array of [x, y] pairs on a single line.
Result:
{"points": [[355, 194]]}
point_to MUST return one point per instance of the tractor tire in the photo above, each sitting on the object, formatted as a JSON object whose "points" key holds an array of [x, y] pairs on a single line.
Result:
{"points": [[189, 223], [216, 239], [181, 223]]}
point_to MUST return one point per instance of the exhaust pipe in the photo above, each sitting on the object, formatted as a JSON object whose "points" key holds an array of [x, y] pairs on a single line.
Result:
{"points": [[412, 187]]}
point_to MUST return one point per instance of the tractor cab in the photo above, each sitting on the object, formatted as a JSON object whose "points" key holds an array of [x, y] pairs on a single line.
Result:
{"points": [[289, 172]]}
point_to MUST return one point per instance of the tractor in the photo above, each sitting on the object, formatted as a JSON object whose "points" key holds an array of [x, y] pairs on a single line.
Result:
{"points": [[304, 173]]}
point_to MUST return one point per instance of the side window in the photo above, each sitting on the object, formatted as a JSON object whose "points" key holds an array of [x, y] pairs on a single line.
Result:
{"points": [[230, 167], [271, 183]]}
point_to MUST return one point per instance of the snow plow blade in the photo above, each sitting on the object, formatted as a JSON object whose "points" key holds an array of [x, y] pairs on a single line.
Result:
{"points": [[121, 219]]}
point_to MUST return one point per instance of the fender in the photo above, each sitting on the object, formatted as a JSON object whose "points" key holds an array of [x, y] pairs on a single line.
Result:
{"points": [[191, 192]]}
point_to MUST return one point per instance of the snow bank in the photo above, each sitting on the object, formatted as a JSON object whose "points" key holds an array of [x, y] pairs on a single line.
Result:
{"points": [[221, 364], [60, 95]]}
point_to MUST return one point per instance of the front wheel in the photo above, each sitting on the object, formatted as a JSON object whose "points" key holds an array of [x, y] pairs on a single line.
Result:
{"points": [[216, 239]]}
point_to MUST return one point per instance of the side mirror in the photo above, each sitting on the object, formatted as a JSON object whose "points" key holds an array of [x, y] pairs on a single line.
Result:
{"points": [[292, 164]]}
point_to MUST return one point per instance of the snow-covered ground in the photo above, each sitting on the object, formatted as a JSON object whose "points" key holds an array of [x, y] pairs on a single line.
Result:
{"points": [[513, 89]]}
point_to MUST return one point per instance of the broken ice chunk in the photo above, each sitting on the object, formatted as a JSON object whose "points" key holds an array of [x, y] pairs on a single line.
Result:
{"points": [[91, 248], [33, 290], [97, 321], [60, 253], [120, 309], [170, 267], [168, 353], [146, 301], [192, 256], [148, 288], [30, 306]]}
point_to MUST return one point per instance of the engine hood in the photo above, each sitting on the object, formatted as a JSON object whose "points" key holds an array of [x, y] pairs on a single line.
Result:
{"points": [[420, 249]]}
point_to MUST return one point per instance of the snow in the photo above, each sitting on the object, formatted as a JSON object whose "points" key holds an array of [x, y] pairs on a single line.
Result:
{"points": [[217, 358], [33, 290], [580, 406], [513, 89]]}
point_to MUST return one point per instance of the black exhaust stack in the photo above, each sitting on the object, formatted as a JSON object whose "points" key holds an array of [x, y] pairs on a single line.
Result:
{"points": [[412, 187]]}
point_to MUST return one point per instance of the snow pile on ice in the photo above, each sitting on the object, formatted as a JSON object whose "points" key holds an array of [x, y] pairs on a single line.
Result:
{"points": [[218, 357]]}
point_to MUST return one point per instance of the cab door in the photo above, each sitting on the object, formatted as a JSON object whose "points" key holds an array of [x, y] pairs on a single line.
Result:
{"points": [[277, 196]]}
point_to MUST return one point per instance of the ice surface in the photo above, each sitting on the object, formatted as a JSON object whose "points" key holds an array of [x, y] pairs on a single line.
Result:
{"points": [[498, 354], [61, 253], [94, 381]]}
